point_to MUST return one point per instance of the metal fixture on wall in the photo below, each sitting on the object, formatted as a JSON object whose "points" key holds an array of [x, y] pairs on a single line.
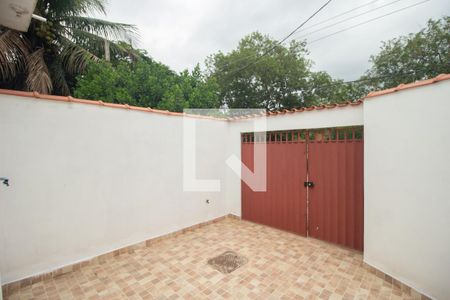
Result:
{"points": [[17, 14], [5, 181]]}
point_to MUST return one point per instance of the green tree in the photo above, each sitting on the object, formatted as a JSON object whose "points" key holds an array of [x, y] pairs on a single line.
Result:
{"points": [[50, 54], [205, 94], [104, 82], [192, 90], [142, 83], [174, 99], [322, 88], [417, 56], [261, 73], [199, 90]]}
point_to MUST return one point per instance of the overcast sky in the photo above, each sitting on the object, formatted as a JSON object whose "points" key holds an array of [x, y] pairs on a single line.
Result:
{"points": [[181, 33]]}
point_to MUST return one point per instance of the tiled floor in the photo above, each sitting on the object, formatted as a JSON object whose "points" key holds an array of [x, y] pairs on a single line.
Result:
{"points": [[280, 266]]}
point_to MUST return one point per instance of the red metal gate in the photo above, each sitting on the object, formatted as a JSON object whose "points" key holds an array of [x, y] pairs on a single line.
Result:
{"points": [[283, 205], [335, 166], [330, 210]]}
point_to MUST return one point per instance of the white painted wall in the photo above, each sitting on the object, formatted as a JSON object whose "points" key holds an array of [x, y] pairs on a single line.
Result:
{"points": [[407, 187], [86, 180]]}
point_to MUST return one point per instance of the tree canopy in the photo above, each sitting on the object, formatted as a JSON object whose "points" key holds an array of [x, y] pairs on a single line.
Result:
{"points": [[66, 55], [261, 73], [147, 83], [323, 89], [141, 83], [50, 54], [417, 56]]}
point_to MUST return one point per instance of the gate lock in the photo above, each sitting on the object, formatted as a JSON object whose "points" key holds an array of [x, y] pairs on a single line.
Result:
{"points": [[308, 184]]}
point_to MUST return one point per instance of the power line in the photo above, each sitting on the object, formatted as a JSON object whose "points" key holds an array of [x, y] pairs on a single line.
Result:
{"points": [[361, 80], [411, 72], [303, 29], [368, 21], [349, 18], [364, 79], [369, 79], [301, 25], [324, 37], [338, 15], [281, 41]]}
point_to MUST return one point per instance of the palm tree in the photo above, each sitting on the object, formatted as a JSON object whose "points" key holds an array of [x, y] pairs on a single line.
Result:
{"points": [[50, 54]]}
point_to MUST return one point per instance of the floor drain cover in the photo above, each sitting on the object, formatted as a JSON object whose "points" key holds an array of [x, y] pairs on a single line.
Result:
{"points": [[227, 262]]}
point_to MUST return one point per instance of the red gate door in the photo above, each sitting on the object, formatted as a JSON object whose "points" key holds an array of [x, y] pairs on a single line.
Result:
{"points": [[335, 165], [283, 205]]}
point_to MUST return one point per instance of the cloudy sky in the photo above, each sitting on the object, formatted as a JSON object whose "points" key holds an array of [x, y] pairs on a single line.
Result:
{"points": [[181, 33]]}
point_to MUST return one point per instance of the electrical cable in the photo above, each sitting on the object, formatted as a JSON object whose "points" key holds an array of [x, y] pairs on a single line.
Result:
{"points": [[349, 18], [368, 21], [314, 25], [337, 16], [282, 40]]}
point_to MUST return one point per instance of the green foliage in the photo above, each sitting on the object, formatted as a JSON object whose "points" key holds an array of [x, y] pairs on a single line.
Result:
{"points": [[104, 82], [173, 99], [147, 83], [417, 56], [260, 73], [324, 89], [275, 80], [199, 90], [141, 83], [50, 54]]}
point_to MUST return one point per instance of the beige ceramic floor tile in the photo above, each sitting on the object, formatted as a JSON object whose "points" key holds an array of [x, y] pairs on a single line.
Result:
{"points": [[280, 266]]}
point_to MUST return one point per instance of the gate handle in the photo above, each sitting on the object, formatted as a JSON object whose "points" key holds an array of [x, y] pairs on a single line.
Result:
{"points": [[308, 184]]}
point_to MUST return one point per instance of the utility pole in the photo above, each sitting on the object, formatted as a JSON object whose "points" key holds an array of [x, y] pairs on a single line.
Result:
{"points": [[107, 54]]}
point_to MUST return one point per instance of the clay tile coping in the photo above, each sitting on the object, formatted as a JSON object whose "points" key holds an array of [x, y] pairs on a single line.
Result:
{"points": [[100, 103], [404, 86], [370, 95], [269, 113]]}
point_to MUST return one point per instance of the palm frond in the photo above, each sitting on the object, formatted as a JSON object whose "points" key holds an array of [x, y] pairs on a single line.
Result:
{"points": [[69, 36], [58, 77], [38, 78], [96, 44], [75, 58], [13, 50], [117, 48], [103, 28]]}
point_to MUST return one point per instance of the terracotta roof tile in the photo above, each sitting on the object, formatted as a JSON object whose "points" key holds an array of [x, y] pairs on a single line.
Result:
{"points": [[370, 95], [269, 113], [408, 86], [100, 103]]}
